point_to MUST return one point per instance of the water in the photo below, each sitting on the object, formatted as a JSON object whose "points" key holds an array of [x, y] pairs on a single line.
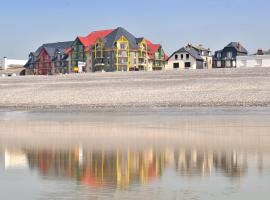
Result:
{"points": [[159, 154]]}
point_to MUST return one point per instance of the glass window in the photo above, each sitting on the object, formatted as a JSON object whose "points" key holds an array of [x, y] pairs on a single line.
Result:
{"points": [[187, 56], [229, 54], [176, 57]]}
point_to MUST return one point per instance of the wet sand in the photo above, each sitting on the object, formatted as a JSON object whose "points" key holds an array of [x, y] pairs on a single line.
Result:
{"points": [[240, 129], [133, 90]]}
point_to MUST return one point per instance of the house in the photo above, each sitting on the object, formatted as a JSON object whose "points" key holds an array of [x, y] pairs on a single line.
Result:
{"points": [[259, 59], [106, 50], [115, 50], [226, 58], [206, 55], [186, 58], [157, 57], [48, 59], [80, 51]]}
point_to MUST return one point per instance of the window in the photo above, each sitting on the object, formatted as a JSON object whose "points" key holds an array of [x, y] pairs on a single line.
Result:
{"points": [[229, 54], [108, 60], [187, 65], [182, 56], [176, 57], [80, 48], [202, 53], [122, 46], [218, 55], [176, 65], [187, 56], [259, 62], [218, 63]]}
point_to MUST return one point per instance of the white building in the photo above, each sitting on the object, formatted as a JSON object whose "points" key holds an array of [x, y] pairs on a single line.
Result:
{"points": [[185, 58], [12, 63], [190, 57], [253, 61]]}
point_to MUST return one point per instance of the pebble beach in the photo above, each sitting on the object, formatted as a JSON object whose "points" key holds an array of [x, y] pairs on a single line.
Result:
{"points": [[127, 90]]}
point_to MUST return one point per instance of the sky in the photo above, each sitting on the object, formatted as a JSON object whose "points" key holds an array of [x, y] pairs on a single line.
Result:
{"points": [[27, 24]]}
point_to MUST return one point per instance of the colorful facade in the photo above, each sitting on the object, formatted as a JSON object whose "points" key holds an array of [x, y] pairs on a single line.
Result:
{"points": [[106, 50], [48, 59]]}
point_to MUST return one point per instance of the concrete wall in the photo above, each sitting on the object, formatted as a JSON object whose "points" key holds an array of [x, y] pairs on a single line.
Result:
{"points": [[253, 61], [181, 62], [7, 63]]}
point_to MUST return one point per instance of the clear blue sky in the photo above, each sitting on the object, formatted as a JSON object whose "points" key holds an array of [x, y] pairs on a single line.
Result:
{"points": [[26, 24]]}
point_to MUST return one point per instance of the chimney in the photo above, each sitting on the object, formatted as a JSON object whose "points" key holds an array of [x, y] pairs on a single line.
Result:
{"points": [[189, 45], [238, 45]]}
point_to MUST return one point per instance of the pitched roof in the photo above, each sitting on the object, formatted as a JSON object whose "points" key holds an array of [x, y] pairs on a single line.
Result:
{"points": [[190, 51], [153, 48], [50, 51], [111, 39], [59, 45], [90, 39], [200, 47], [237, 46]]}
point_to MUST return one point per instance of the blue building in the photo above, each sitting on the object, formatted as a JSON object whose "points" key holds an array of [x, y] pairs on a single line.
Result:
{"points": [[226, 58]]}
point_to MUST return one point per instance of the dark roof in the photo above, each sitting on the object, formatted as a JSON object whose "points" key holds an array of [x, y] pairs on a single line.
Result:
{"points": [[190, 51], [57, 45], [139, 40], [111, 39], [262, 52], [237, 46]]}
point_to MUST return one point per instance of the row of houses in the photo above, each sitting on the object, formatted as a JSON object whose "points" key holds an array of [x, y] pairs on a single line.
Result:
{"points": [[106, 50], [119, 50], [234, 55]]}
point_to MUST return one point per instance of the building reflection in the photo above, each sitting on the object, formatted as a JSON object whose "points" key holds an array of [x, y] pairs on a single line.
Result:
{"points": [[124, 167], [194, 163], [97, 168]]}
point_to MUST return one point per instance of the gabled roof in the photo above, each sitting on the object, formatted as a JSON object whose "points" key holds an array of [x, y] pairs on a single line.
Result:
{"points": [[139, 40], [59, 45], [200, 48], [237, 46], [111, 39], [93, 36], [153, 48], [190, 51]]}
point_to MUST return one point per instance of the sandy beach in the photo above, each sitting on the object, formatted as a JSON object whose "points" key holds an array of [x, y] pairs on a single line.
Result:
{"points": [[208, 88]]}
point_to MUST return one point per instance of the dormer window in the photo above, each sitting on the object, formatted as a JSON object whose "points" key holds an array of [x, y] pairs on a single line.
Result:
{"points": [[229, 54], [219, 55]]}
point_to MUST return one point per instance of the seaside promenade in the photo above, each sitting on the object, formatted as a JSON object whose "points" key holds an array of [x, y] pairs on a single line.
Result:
{"points": [[127, 90]]}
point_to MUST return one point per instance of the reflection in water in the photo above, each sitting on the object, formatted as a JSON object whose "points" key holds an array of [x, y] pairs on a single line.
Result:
{"points": [[99, 168], [140, 156], [120, 168]]}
